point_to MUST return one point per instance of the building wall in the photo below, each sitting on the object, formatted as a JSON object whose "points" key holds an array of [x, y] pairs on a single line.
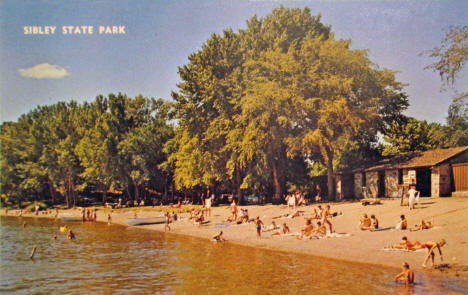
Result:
{"points": [[445, 185], [391, 183], [435, 180], [358, 185], [372, 184]]}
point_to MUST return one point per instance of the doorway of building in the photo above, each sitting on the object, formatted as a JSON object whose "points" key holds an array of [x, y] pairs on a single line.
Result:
{"points": [[423, 181], [381, 193]]}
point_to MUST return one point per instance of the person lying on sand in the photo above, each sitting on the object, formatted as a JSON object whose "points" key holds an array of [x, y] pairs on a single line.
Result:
{"points": [[431, 246], [284, 230], [366, 223], [406, 275], [423, 225], [219, 237], [178, 205], [406, 244], [271, 227], [295, 214]]}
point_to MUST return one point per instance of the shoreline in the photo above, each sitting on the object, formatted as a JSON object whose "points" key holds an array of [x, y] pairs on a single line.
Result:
{"points": [[449, 215]]}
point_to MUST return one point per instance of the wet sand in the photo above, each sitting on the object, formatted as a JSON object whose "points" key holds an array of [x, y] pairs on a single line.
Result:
{"points": [[450, 216]]}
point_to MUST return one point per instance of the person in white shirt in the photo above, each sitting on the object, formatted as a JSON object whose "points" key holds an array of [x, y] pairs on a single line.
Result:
{"points": [[413, 196]]}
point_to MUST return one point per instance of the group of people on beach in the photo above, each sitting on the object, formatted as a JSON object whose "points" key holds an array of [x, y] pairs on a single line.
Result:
{"points": [[88, 214]]}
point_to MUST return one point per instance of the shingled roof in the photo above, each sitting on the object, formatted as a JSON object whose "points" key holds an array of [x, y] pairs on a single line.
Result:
{"points": [[418, 159]]}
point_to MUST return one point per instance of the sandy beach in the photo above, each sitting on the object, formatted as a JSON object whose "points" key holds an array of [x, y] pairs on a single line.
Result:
{"points": [[448, 214]]}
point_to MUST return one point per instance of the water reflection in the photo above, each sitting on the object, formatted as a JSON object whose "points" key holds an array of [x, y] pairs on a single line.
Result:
{"points": [[119, 260]]}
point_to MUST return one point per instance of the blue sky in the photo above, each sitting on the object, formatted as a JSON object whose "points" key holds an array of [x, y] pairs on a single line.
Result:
{"points": [[161, 34]]}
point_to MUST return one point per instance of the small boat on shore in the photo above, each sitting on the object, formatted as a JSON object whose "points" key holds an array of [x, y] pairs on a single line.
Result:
{"points": [[65, 218], [142, 221]]}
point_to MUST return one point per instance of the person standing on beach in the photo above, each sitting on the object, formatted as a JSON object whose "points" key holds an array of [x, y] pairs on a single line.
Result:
{"points": [[109, 219], [413, 195], [167, 221], [95, 215], [208, 205], [259, 225], [234, 210], [318, 194], [406, 275], [431, 246]]}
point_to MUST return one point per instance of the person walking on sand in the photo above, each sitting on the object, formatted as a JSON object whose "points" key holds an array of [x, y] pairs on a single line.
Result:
{"points": [[413, 196], [167, 221], [406, 275], [109, 219], [259, 225]]}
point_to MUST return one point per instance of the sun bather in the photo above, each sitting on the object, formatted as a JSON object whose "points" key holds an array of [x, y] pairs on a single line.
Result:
{"points": [[271, 227], [423, 225], [284, 230]]}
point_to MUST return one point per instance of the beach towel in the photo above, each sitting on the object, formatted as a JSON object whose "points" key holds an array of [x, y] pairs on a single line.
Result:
{"points": [[337, 235], [402, 250], [222, 225]]}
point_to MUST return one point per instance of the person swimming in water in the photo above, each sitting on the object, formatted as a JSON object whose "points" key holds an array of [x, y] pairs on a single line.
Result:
{"points": [[406, 275], [71, 235], [219, 237]]}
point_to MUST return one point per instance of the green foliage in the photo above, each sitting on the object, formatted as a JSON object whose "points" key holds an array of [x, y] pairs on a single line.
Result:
{"points": [[451, 55], [65, 148], [254, 104]]}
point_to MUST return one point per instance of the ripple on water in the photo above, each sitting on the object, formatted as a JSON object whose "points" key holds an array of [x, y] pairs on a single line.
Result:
{"points": [[114, 260]]}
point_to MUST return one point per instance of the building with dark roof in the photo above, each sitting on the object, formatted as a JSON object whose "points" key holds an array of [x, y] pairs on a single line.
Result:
{"points": [[440, 172]]}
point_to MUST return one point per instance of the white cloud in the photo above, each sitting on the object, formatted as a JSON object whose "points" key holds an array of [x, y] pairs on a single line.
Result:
{"points": [[44, 71]]}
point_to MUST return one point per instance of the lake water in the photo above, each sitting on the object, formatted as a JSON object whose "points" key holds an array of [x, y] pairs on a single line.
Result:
{"points": [[118, 260]]}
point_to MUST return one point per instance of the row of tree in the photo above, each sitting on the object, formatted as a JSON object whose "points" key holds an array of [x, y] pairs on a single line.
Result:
{"points": [[257, 111]]}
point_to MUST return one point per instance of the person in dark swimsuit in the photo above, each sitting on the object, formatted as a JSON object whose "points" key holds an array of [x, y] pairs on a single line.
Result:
{"points": [[259, 225]]}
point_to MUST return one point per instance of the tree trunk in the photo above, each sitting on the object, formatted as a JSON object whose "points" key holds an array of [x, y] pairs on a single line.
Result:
{"points": [[136, 193], [52, 191], [104, 194], [277, 195], [238, 185], [330, 178]]}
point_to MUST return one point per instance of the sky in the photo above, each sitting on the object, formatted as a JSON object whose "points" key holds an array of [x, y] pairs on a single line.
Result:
{"points": [[158, 36]]}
